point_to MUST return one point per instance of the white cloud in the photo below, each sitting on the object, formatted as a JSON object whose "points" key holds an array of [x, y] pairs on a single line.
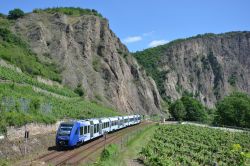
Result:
{"points": [[155, 43], [148, 33], [132, 39]]}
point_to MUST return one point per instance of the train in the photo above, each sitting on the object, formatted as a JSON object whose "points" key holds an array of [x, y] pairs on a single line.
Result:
{"points": [[74, 133]]}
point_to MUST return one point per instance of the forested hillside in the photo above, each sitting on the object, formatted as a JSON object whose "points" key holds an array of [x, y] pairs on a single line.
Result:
{"points": [[207, 66]]}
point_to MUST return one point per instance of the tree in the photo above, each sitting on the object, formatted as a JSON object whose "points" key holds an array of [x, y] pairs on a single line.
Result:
{"points": [[177, 110], [195, 110], [15, 14], [234, 110]]}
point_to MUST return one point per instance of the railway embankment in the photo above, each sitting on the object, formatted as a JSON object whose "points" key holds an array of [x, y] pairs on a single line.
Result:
{"points": [[14, 146]]}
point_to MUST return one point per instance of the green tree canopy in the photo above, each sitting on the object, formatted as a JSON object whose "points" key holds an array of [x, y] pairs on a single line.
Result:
{"points": [[177, 110], [195, 110], [15, 14], [234, 110], [188, 108]]}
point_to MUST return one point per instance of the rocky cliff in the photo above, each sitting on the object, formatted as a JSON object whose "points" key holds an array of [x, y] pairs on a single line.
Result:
{"points": [[207, 66], [90, 55]]}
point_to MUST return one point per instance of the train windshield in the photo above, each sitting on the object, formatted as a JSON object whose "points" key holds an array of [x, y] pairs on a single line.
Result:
{"points": [[65, 129]]}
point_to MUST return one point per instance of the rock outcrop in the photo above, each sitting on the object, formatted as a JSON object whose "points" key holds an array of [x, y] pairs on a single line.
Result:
{"points": [[89, 54], [208, 66]]}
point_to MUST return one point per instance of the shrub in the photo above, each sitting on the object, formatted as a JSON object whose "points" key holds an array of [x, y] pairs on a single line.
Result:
{"points": [[195, 110], [108, 152], [190, 109], [79, 90], [234, 110], [15, 14], [71, 11], [177, 110]]}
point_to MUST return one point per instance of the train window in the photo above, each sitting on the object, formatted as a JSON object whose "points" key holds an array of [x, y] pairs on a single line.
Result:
{"points": [[77, 132], [81, 130], [98, 127], [85, 129], [88, 129], [94, 128]]}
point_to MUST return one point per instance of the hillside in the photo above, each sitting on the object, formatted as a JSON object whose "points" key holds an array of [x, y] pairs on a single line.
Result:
{"points": [[87, 54], [25, 99], [207, 66]]}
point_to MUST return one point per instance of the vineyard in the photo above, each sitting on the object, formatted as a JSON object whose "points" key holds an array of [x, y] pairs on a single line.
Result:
{"points": [[193, 145], [20, 104], [22, 78]]}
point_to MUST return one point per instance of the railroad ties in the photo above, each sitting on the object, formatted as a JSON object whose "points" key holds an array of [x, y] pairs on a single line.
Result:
{"points": [[83, 153]]}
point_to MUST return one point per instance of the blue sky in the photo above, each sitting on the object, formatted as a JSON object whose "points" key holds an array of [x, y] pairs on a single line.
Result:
{"points": [[146, 23]]}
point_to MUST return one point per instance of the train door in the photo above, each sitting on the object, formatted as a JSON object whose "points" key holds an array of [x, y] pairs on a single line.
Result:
{"points": [[100, 128], [91, 131], [119, 122]]}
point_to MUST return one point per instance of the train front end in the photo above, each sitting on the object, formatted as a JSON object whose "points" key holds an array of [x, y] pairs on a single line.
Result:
{"points": [[65, 136]]}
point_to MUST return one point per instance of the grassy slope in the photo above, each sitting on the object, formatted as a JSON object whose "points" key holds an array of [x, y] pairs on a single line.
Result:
{"points": [[125, 155], [16, 51], [72, 11], [19, 103], [42, 107]]}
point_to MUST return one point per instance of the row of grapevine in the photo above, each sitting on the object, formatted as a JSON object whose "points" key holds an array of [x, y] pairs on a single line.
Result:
{"points": [[22, 78], [193, 145]]}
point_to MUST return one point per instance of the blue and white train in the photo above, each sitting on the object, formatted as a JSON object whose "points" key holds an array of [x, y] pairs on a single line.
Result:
{"points": [[73, 133]]}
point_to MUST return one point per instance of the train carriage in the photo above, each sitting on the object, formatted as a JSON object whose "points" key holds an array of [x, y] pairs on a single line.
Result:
{"points": [[120, 122], [105, 123], [95, 128], [114, 123], [72, 133], [126, 121], [131, 120]]}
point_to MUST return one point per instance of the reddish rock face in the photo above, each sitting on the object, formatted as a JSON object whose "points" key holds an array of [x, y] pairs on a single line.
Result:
{"points": [[90, 54]]}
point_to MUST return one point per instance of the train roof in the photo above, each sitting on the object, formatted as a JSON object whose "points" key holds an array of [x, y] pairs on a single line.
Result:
{"points": [[104, 119], [68, 123], [113, 118]]}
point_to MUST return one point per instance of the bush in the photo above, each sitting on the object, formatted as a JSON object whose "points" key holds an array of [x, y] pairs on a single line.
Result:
{"points": [[108, 152], [2, 15], [79, 90], [71, 11], [234, 110], [15, 14], [189, 109], [177, 110], [195, 110]]}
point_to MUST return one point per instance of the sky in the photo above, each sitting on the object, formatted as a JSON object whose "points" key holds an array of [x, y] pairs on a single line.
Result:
{"points": [[142, 24]]}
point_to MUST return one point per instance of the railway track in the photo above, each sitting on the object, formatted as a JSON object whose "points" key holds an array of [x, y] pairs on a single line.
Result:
{"points": [[82, 153]]}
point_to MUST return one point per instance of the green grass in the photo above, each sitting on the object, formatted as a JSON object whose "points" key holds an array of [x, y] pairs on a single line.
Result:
{"points": [[72, 11], [22, 78], [12, 112], [16, 51], [120, 156], [193, 145]]}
